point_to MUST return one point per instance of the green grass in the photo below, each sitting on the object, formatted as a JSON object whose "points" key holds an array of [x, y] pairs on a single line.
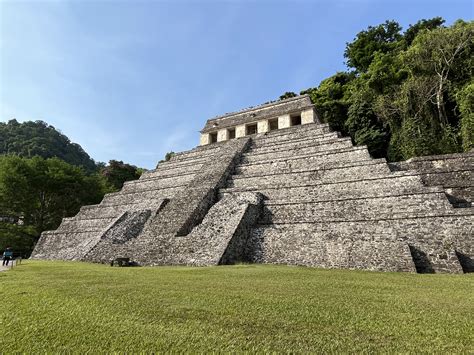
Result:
{"points": [[80, 307]]}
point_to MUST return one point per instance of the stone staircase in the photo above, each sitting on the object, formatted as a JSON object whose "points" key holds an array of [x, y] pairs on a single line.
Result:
{"points": [[77, 236], [329, 204], [169, 216]]}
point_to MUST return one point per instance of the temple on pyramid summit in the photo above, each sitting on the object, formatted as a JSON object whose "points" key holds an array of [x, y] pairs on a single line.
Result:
{"points": [[271, 184]]}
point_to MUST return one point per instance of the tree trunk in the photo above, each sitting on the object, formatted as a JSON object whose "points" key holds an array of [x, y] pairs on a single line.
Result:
{"points": [[40, 223], [440, 103]]}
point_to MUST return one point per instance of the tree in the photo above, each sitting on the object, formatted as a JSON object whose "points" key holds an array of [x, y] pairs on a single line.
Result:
{"points": [[40, 192], [20, 238], [465, 99], [117, 172], [442, 54], [36, 193], [365, 128], [37, 138], [379, 39], [385, 73], [423, 24], [169, 155], [287, 95], [331, 99]]}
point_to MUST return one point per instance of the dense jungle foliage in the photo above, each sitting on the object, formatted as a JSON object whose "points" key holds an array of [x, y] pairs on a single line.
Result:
{"points": [[406, 93]]}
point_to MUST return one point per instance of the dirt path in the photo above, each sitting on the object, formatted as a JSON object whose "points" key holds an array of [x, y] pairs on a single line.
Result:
{"points": [[11, 264]]}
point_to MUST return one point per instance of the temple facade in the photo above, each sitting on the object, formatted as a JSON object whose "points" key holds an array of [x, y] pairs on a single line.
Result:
{"points": [[261, 119]]}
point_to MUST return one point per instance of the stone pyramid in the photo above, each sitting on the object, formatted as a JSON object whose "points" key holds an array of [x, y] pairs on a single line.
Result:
{"points": [[270, 184]]}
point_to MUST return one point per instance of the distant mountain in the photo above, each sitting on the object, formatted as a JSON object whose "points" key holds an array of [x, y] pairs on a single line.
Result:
{"points": [[38, 138]]}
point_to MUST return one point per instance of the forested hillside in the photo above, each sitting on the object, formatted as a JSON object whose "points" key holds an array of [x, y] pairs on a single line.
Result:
{"points": [[29, 139], [405, 93]]}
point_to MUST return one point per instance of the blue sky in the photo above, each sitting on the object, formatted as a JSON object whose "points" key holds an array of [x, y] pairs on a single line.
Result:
{"points": [[132, 80]]}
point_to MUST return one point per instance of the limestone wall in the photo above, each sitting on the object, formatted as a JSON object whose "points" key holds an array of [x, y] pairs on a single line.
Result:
{"points": [[329, 204], [438, 238], [455, 172]]}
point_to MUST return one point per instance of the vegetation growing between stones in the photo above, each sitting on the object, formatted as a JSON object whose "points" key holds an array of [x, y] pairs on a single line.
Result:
{"points": [[79, 307], [406, 93]]}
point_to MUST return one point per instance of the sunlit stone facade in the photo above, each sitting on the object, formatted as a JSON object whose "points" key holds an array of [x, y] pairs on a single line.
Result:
{"points": [[261, 119]]}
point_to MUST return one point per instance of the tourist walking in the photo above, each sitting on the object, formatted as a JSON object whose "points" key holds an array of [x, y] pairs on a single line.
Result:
{"points": [[7, 256]]}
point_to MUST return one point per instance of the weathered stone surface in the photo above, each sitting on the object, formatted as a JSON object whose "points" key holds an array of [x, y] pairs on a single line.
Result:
{"points": [[223, 234], [253, 114], [300, 195], [304, 243], [161, 210], [329, 250], [452, 171]]}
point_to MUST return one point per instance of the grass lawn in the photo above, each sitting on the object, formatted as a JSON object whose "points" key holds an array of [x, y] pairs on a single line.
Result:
{"points": [[80, 307]]}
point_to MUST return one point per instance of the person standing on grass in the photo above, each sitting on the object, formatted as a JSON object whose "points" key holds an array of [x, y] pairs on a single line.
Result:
{"points": [[7, 256]]}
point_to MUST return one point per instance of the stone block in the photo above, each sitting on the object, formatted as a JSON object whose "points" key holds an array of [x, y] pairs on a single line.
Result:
{"points": [[308, 116], [284, 121], [204, 139], [222, 135], [240, 131], [262, 126]]}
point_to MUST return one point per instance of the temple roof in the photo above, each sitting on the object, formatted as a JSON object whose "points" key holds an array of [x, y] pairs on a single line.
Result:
{"points": [[253, 114]]}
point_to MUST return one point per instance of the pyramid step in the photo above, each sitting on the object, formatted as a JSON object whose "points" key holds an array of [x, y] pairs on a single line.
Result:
{"points": [[176, 171], [301, 143], [319, 244], [374, 187], [318, 183], [294, 132], [172, 164], [85, 225], [198, 153], [262, 142], [375, 208], [114, 210], [312, 177], [66, 245], [203, 148], [291, 153], [300, 166], [167, 182], [447, 162], [331, 144], [162, 176], [324, 249], [311, 160], [449, 179], [141, 195]]}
